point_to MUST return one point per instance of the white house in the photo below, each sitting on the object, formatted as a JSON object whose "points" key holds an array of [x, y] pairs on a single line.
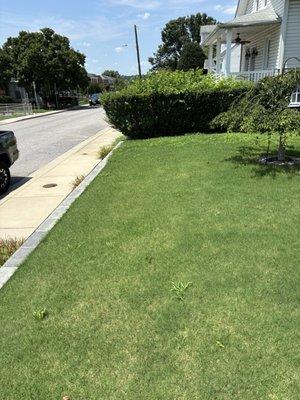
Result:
{"points": [[262, 40]]}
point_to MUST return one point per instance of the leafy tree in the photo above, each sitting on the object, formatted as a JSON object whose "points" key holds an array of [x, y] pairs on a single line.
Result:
{"points": [[191, 57], [5, 69], [175, 35], [47, 59], [111, 73], [95, 88]]}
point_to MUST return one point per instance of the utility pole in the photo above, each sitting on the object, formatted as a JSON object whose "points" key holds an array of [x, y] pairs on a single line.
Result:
{"points": [[138, 51], [56, 99]]}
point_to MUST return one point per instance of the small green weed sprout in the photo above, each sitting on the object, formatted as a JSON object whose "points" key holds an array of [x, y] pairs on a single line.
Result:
{"points": [[40, 315], [179, 289]]}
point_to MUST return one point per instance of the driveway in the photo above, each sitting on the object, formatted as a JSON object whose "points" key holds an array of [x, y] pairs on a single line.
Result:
{"points": [[41, 140]]}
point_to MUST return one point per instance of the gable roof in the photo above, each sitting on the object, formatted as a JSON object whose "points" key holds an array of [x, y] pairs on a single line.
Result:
{"points": [[264, 16]]}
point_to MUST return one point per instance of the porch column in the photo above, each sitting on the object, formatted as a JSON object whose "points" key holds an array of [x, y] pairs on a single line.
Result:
{"points": [[218, 56], [228, 51], [210, 58]]}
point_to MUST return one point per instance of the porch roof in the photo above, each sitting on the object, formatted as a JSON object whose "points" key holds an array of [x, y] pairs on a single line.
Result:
{"points": [[265, 16]]}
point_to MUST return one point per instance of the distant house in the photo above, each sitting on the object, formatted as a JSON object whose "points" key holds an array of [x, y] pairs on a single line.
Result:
{"points": [[262, 39], [107, 81]]}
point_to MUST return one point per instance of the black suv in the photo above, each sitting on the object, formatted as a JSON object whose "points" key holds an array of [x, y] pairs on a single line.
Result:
{"points": [[94, 99], [8, 155]]}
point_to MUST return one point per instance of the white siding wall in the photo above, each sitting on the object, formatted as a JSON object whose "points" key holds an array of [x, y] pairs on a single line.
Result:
{"points": [[278, 6], [259, 42], [292, 47], [252, 5]]}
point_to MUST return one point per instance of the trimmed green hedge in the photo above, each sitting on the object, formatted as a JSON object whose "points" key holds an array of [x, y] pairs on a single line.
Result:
{"points": [[141, 116], [170, 103]]}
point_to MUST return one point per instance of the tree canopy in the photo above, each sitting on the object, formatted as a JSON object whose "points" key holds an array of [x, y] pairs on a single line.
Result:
{"points": [[45, 58], [175, 35], [191, 57], [111, 73]]}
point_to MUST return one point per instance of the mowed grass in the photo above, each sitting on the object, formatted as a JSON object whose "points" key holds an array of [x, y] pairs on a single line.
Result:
{"points": [[190, 210]]}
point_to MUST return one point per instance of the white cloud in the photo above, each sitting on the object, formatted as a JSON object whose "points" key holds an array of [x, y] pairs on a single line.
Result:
{"points": [[144, 16], [119, 49], [86, 44], [229, 10], [82, 29], [140, 4]]}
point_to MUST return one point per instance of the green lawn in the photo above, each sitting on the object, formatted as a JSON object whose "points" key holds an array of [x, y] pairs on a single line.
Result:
{"points": [[186, 209]]}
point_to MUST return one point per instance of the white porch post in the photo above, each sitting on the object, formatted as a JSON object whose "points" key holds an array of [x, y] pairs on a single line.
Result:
{"points": [[218, 57], [228, 51], [210, 58]]}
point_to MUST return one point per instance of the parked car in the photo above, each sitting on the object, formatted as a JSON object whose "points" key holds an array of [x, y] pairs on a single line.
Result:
{"points": [[94, 99], [9, 153]]}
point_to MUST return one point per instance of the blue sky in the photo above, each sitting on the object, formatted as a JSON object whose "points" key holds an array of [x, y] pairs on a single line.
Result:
{"points": [[100, 28]]}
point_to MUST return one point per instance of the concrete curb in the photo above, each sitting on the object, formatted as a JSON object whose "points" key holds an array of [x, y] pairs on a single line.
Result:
{"points": [[15, 261], [26, 118]]}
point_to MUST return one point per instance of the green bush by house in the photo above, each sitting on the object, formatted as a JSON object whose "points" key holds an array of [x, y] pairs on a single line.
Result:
{"points": [[171, 103]]}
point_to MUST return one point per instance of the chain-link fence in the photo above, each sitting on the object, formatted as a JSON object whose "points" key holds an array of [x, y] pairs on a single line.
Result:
{"points": [[15, 109]]}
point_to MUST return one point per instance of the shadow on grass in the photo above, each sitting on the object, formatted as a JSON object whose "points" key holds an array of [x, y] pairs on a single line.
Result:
{"points": [[249, 155]]}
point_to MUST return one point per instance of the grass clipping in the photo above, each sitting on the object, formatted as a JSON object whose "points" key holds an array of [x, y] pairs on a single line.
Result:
{"points": [[8, 247]]}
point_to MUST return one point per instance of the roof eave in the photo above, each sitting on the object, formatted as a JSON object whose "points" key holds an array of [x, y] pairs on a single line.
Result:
{"points": [[246, 24]]}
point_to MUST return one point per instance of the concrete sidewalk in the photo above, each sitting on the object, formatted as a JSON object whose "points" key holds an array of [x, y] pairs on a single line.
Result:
{"points": [[24, 209]]}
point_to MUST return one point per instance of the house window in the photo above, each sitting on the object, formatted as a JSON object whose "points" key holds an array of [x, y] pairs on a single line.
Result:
{"points": [[295, 98]]}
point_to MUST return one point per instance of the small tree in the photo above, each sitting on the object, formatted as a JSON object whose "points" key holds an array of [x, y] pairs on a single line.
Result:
{"points": [[282, 123], [264, 109], [191, 57]]}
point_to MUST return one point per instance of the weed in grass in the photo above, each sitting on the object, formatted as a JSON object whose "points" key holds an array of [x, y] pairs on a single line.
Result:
{"points": [[220, 344], [77, 181], [8, 247], [40, 315], [179, 289], [104, 151]]}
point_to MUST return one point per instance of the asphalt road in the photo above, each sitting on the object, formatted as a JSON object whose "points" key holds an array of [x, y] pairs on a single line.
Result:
{"points": [[41, 140]]}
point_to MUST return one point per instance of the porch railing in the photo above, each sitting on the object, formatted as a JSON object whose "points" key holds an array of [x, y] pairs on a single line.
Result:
{"points": [[255, 76]]}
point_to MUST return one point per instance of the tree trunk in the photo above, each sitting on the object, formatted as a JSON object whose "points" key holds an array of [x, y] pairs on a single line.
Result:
{"points": [[281, 149]]}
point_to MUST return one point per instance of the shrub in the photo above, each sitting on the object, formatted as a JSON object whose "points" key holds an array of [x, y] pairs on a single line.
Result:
{"points": [[5, 99], [171, 103]]}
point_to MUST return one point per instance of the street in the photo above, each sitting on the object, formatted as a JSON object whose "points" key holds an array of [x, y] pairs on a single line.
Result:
{"points": [[41, 140]]}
